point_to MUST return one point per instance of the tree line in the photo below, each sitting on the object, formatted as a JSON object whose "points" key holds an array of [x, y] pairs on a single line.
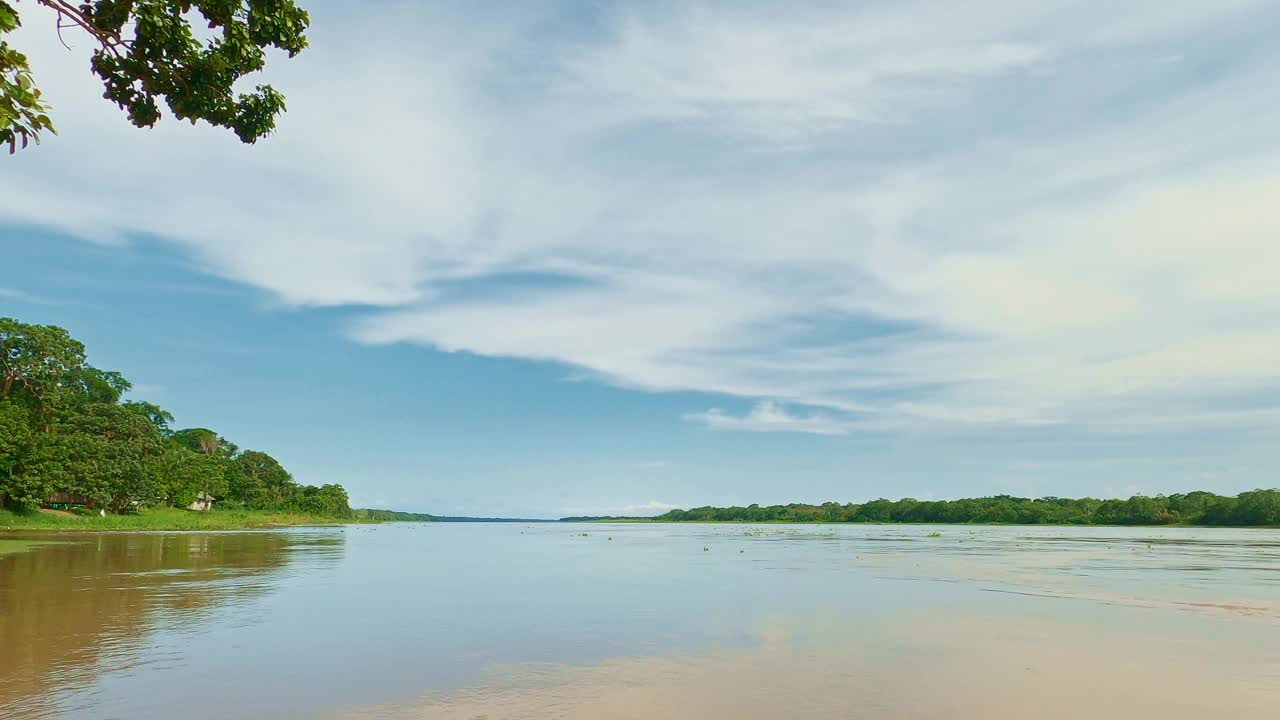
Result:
{"points": [[390, 515], [65, 429], [1254, 508]]}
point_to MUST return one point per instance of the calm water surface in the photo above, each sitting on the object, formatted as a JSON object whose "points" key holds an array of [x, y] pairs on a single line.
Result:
{"points": [[643, 621]]}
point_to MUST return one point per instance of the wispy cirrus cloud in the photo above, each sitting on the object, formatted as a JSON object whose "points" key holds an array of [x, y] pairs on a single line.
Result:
{"points": [[889, 216], [784, 76]]}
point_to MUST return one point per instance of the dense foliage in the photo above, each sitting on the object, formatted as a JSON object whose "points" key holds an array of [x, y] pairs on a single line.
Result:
{"points": [[390, 516], [1258, 507], [23, 114], [65, 431], [148, 51]]}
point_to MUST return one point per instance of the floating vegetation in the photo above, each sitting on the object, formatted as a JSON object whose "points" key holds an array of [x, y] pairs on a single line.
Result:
{"points": [[934, 534]]}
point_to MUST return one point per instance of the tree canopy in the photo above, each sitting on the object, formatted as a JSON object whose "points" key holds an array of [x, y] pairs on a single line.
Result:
{"points": [[150, 51], [64, 431], [1257, 507]]}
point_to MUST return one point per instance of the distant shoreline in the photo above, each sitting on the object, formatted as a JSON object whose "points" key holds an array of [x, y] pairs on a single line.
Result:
{"points": [[1255, 508], [660, 521]]}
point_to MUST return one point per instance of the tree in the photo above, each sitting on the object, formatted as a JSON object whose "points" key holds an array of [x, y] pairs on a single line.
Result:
{"points": [[34, 471], [105, 453], [36, 363], [328, 500], [153, 413], [89, 384], [147, 52], [876, 511], [261, 482], [64, 429], [206, 441], [1191, 507], [1257, 507], [15, 436], [181, 474]]}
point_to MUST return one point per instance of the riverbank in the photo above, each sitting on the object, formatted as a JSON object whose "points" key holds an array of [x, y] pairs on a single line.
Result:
{"points": [[1255, 508], [166, 519], [891, 523]]}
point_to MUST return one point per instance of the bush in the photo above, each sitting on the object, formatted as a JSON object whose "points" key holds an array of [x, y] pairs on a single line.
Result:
{"points": [[184, 498]]}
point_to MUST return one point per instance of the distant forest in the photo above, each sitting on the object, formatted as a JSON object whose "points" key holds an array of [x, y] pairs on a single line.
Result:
{"points": [[398, 516], [1255, 508], [390, 515]]}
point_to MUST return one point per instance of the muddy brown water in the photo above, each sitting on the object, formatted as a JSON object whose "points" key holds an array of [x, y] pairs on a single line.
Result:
{"points": [[643, 621]]}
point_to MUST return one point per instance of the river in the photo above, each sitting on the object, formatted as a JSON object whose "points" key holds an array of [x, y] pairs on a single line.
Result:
{"points": [[604, 621]]}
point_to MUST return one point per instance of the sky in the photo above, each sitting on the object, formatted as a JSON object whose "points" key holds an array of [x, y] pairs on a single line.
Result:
{"points": [[611, 258]]}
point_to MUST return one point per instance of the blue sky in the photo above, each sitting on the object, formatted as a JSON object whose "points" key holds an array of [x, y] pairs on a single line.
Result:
{"points": [[611, 258]]}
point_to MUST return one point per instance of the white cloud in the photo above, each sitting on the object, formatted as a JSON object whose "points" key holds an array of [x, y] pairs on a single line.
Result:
{"points": [[645, 509], [1018, 214], [770, 416], [787, 77]]}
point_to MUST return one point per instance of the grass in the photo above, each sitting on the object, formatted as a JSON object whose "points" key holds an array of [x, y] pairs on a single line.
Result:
{"points": [[162, 519]]}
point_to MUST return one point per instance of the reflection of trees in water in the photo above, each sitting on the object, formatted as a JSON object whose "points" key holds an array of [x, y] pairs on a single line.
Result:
{"points": [[71, 610]]}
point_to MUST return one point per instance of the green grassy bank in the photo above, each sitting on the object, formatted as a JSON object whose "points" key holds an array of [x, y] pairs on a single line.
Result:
{"points": [[164, 519]]}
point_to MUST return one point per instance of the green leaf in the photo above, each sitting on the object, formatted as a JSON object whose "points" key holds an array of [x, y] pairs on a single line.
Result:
{"points": [[164, 62]]}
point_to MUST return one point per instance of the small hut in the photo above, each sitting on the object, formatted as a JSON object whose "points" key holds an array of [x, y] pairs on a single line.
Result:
{"points": [[65, 501], [204, 501]]}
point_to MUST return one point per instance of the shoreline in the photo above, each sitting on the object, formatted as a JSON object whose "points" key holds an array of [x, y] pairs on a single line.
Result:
{"points": [[654, 521], [168, 520], [178, 520]]}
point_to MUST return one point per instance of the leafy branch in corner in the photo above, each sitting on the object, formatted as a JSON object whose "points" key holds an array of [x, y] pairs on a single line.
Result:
{"points": [[147, 52]]}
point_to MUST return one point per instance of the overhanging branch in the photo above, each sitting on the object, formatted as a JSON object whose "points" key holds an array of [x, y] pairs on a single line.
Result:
{"points": [[111, 42]]}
